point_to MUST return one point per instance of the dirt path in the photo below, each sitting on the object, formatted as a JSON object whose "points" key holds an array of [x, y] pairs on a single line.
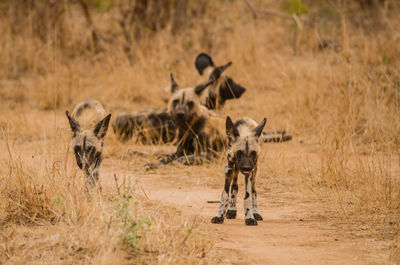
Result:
{"points": [[294, 231], [289, 234], [286, 236]]}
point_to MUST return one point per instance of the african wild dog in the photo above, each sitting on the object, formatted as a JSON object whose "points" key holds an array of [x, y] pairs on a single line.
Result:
{"points": [[89, 126], [155, 126], [149, 127], [242, 154], [200, 131], [222, 89]]}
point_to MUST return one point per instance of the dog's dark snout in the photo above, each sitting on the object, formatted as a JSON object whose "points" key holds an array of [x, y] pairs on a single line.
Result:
{"points": [[247, 168], [180, 114]]}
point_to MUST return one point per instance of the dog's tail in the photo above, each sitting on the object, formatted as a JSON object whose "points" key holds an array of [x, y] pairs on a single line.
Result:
{"points": [[275, 137], [88, 104]]}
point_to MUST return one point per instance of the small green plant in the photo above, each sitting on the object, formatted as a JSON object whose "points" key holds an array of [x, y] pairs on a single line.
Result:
{"points": [[58, 201], [385, 60], [132, 228], [295, 7], [102, 5]]}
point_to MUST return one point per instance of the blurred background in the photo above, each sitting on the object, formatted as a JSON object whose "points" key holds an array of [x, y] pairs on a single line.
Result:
{"points": [[307, 64], [315, 68]]}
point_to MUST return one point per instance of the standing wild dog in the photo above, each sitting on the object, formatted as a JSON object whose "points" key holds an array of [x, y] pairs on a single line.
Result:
{"points": [[156, 126], [242, 154], [89, 126]]}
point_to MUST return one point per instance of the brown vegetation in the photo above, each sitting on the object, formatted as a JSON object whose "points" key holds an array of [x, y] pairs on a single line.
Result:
{"points": [[329, 73]]}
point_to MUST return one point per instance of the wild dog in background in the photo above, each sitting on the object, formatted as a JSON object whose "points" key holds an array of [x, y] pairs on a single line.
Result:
{"points": [[89, 125], [200, 131], [242, 155], [222, 89], [155, 126], [149, 126]]}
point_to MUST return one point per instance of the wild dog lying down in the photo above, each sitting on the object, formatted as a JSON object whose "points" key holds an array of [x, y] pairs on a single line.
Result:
{"points": [[200, 131], [222, 89], [242, 154], [155, 126], [89, 126], [149, 126]]}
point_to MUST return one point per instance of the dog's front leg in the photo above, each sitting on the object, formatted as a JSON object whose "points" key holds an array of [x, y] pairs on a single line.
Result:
{"points": [[256, 214], [219, 217], [247, 203], [231, 214]]}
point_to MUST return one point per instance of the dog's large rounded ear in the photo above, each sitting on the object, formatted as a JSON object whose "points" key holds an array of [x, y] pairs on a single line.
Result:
{"points": [[101, 128], [203, 61], [231, 130], [74, 124], [258, 130], [238, 90], [231, 90]]}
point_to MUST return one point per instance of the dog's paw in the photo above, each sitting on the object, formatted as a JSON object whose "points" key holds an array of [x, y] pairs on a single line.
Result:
{"points": [[165, 160], [217, 220], [150, 166], [258, 217], [231, 214], [251, 221]]}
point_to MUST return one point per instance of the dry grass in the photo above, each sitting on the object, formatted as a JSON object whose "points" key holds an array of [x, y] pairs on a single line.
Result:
{"points": [[345, 104], [47, 218]]}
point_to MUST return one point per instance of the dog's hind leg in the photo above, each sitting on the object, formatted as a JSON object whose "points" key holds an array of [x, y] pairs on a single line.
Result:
{"points": [[194, 159]]}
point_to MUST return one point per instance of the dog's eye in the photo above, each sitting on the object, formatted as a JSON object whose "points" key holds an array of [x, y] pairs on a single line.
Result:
{"points": [[190, 104], [90, 149], [175, 102], [239, 153], [77, 149], [253, 153]]}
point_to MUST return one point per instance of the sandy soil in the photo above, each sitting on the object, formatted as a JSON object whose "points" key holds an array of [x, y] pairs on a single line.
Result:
{"points": [[292, 231]]}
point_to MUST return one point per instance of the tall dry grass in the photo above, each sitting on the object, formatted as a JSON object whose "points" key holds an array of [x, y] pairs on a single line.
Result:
{"points": [[46, 217], [343, 99]]}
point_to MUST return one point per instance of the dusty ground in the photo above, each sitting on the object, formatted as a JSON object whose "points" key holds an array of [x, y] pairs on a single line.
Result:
{"points": [[294, 231], [298, 228], [332, 195]]}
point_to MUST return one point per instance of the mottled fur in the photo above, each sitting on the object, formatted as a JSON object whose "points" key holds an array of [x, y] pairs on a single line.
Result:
{"points": [[89, 125], [148, 127], [242, 155], [156, 126], [223, 87], [200, 131]]}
